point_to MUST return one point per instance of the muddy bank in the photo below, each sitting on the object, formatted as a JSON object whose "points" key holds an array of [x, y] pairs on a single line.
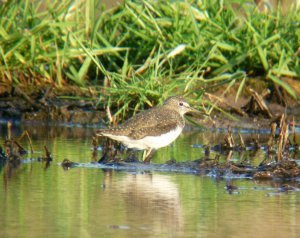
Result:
{"points": [[236, 156], [255, 109], [210, 167], [48, 103]]}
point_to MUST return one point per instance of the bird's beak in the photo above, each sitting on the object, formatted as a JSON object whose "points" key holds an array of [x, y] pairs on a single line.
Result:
{"points": [[196, 112]]}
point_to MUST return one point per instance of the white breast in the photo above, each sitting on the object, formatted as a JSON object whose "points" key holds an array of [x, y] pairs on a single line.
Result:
{"points": [[150, 141]]}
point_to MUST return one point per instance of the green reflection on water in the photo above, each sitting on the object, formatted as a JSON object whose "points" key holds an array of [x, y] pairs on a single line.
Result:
{"points": [[90, 202]]}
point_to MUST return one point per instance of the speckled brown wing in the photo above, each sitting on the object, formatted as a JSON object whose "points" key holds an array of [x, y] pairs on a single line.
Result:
{"points": [[114, 131], [153, 122], [161, 128], [128, 126]]}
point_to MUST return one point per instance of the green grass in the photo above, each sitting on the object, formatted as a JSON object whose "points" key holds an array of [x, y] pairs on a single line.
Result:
{"points": [[140, 52]]}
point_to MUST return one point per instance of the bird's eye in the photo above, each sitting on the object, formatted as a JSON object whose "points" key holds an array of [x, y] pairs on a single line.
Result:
{"points": [[181, 104]]}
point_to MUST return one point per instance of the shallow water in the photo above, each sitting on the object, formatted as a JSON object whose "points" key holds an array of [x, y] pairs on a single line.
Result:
{"points": [[36, 201]]}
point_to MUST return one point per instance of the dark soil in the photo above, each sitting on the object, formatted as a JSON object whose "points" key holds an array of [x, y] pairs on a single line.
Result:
{"points": [[71, 104], [252, 111], [48, 103]]}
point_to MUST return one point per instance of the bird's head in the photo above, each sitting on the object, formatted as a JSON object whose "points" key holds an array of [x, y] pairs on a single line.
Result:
{"points": [[180, 104]]}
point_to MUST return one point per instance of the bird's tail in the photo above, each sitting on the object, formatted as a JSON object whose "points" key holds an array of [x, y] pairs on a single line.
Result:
{"points": [[100, 132]]}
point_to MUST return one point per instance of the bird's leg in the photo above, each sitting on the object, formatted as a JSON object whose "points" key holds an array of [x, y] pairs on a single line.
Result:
{"points": [[131, 156], [109, 151], [148, 155]]}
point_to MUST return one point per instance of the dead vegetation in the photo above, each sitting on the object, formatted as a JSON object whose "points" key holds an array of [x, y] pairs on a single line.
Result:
{"points": [[280, 152], [13, 153]]}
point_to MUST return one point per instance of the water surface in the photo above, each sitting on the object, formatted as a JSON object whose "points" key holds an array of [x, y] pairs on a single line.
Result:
{"points": [[40, 201]]}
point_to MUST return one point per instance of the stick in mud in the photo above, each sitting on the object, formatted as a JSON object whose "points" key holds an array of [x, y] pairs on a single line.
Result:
{"points": [[242, 145], [294, 135], [48, 154], [283, 136], [229, 142], [21, 150], [25, 133]]}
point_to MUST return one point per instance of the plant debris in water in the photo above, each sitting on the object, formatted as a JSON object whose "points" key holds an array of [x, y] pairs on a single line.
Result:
{"points": [[279, 162], [12, 155], [149, 48]]}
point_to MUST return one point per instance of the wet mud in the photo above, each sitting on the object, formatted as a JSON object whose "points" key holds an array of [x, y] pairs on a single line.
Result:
{"points": [[256, 108], [48, 103], [254, 111], [281, 153], [280, 157]]}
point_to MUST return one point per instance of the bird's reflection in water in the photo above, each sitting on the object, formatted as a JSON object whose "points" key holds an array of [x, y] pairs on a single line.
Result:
{"points": [[155, 200]]}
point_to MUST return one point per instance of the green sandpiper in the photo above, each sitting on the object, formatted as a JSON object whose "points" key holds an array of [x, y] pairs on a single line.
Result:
{"points": [[152, 129]]}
